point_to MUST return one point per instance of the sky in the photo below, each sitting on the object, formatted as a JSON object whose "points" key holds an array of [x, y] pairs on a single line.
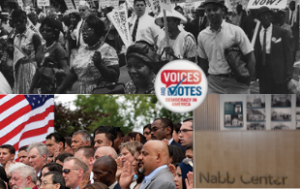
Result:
{"points": [[68, 99]]}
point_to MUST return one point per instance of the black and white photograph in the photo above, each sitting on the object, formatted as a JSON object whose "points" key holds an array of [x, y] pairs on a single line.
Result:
{"points": [[298, 125], [256, 126], [256, 101], [281, 100], [298, 114], [256, 115], [281, 114], [234, 120], [233, 112], [281, 125]]}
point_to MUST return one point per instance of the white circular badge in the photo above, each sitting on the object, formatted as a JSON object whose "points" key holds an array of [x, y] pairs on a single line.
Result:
{"points": [[181, 86]]}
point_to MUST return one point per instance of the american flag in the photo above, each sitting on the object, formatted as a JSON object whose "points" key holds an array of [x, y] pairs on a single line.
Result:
{"points": [[25, 119]]}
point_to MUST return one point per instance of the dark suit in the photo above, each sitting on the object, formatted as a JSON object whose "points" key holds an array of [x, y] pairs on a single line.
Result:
{"points": [[117, 186], [274, 76], [195, 28], [179, 145], [295, 29]]}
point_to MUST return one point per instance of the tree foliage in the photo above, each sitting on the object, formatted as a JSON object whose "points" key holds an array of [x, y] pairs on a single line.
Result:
{"points": [[125, 111]]}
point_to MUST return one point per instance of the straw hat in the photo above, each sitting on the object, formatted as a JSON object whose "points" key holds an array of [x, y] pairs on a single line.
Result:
{"points": [[174, 14], [84, 3]]}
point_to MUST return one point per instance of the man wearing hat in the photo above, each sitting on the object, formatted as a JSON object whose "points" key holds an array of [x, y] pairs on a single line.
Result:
{"points": [[84, 11], [200, 22], [273, 52], [213, 41]]}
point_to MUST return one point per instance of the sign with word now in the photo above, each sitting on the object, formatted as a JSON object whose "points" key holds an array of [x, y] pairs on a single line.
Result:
{"points": [[272, 4], [43, 3]]}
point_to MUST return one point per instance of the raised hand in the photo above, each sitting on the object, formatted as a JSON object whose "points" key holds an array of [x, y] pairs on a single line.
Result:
{"points": [[126, 176], [119, 168], [189, 180]]}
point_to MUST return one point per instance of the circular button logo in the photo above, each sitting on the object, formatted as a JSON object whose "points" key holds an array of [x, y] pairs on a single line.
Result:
{"points": [[181, 86]]}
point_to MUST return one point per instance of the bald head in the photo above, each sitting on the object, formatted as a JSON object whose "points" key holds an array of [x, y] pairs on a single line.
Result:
{"points": [[105, 150], [104, 170], [154, 154]]}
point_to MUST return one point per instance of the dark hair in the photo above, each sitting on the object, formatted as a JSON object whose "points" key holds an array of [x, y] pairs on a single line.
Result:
{"points": [[63, 156], [134, 2], [190, 147], [53, 167], [88, 151], [2, 184], [166, 122], [176, 153], [178, 7], [147, 126], [95, 23], [76, 16], [176, 127], [55, 25], [18, 13], [133, 135], [140, 175], [31, 15], [57, 137], [10, 148], [68, 141], [109, 134], [3, 175], [23, 148], [120, 133], [57, 178]]}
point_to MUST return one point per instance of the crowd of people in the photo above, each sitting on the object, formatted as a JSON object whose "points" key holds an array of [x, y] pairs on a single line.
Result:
{"points": [[161, 157], [81, 51]]}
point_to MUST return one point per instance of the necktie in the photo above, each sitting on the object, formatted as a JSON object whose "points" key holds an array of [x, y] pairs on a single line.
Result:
{"points": [[264, 48], [135, 29], [291, 19]]}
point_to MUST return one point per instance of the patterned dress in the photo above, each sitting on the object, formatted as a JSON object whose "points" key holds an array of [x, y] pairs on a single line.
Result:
{"points": [[24, 67], [131, 88], [88, 75]]}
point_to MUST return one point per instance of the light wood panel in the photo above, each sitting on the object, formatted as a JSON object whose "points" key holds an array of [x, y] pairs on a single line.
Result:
{"points": [[263, 156], [207, 115]]}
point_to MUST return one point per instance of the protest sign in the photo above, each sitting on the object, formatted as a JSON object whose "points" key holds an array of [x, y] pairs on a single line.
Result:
{"points": [[43, 3], [109, 3], [272, 4], [165, 5], [91, 3], [69, 4], [114, 3], [28, 3], [155, 6], [231, 4], [120, 21]]}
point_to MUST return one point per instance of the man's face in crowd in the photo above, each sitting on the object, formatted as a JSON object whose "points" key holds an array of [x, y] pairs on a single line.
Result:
{"points": [[147, 134], [140, 8], [214, 13], [292, 5], [77, 142], [35, 160], [81, 156], [72, 178], [265, 19], [17, 181], [83, 12], [94, 11], [101, 140], [51, 145], [5, 156], [189, 154], [101, 173], [146, 159], [186, 137], [158, 130], [23, 157], [47, 183], [44, 171]]}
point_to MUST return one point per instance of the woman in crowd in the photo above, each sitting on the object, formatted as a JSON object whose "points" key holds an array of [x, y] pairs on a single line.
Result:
{"points": [[135, 136], [141, 58], [181, 174], [182, 44], [97, 64], [176, 155], [6, 69], [26, 43], [51, 58]]}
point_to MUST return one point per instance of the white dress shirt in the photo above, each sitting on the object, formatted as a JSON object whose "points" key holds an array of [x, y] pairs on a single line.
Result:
{"points": [[268, 38]]}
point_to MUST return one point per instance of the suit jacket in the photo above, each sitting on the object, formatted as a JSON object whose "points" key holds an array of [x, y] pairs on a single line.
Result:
{"points": [[179, 145], [195, 29], [117, 186], [163, 179], [280, 55]]}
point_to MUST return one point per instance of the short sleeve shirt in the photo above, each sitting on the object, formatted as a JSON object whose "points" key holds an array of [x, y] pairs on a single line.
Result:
{"points": [[212, 44]]}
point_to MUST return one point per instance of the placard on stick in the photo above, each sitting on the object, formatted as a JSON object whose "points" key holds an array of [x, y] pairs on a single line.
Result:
{"points": [[43, 3], [272, 4]]}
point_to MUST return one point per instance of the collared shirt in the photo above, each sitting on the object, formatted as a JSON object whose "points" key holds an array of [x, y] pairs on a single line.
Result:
{"points": [[147, 30], [113, 185], [76, 187], [292, 17], [170, 141], [154, 172], [91, 177], [212, 44], [268, 38]]}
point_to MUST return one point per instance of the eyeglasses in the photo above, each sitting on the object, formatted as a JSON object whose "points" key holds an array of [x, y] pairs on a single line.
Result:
{"points": [[183, 131], [87, 30], [43, 184], [156, 128], [67, 171]]}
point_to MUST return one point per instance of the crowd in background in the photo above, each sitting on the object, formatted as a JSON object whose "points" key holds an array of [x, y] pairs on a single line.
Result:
{"points": [[161, 157], [81, 52]]}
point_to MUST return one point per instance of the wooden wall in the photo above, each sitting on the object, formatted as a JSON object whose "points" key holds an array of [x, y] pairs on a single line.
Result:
{"points": [[264, 159]]}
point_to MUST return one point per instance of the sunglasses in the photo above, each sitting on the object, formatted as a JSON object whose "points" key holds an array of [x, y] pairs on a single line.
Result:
{"points": [[66, 171]]}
